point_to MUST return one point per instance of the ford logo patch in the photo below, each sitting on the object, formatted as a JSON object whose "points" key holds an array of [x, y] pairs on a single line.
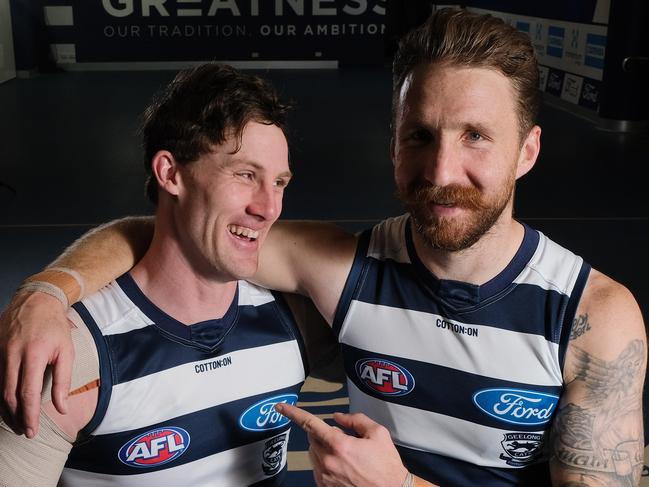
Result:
{"points": [[385, 377], [155, 447], [262, 415], [517, 406]]}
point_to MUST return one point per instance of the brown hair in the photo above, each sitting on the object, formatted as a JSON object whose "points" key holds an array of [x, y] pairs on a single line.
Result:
{"points": [[201, 108], [462, 38]]}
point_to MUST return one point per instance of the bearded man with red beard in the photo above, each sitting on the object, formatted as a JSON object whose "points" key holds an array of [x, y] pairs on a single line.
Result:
{"points": [[477, 351]]}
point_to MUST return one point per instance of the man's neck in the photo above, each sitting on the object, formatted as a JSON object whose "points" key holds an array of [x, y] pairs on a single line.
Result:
{"points": [[479, 263], [168, 279]]}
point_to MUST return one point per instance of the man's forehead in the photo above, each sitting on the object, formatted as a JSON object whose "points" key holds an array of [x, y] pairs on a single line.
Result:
{"points": [[253, 138], [242, 156], [479, 93], [451, 78], [250, 133]]}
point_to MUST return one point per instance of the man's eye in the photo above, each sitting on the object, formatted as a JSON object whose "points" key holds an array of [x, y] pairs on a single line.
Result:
{"points": [[246, 175], [474, 136], [281, 183], [421, 136]]}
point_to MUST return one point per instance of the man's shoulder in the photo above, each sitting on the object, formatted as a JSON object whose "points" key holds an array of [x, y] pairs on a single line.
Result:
{"points": [[250, 294], [110, 297], [549, 249], [394, 225], [608, 319], [388, 239], [550, 265], [608, 298], [111, 307]]}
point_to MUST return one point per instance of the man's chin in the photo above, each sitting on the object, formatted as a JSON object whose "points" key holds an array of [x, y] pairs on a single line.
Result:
{"points": [[447, 237], [446, 244], [246, 273], [237, 269]]}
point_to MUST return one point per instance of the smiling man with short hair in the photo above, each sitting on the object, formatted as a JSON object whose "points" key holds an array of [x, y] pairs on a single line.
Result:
{"points": [[164, 389]]}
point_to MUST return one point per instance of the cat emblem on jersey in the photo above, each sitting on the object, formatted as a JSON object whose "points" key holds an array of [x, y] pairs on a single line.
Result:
{"points": [[521, 448], [273, 454]]}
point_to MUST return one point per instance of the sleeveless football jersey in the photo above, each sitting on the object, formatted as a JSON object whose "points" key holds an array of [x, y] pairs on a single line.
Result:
{"points": [[188, 405], [466, 378]]}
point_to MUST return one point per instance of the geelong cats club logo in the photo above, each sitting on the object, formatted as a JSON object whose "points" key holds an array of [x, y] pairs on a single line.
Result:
{"points": [[385, 377], [521, 448], [273, 454], [155, 447]]}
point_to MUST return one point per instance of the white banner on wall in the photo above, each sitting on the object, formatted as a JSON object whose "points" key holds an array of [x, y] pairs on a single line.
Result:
{"points": [[158, 31], [569, 46], [570, 54]]}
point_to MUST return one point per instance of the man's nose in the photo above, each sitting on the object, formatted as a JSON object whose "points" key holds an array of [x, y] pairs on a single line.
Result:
{"points": [[266, 203], [441, 165]]}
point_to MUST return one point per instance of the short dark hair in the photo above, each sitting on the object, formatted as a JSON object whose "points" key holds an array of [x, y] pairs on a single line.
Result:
{"points": [[458, 37], [201, 108]]}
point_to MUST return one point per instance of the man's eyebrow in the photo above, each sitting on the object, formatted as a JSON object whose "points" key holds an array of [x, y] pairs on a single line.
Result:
{"points": [[259, 167], [477, 127]]}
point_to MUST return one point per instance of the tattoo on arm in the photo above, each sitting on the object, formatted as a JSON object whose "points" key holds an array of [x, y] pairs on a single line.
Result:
{"points": [[580, 325], [601, 437]]}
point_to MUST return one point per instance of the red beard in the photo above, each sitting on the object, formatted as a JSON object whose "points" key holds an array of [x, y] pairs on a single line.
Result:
{"points": [[452, 234]]}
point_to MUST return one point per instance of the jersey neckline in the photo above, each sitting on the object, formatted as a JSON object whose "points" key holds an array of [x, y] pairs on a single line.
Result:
{"points": [[206, 334], [461, 294]]}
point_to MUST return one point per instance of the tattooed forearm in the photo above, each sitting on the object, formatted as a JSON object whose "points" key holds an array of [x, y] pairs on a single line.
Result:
{"points": [[600, 433], [581, 480], [577, 446], [580, 325]]}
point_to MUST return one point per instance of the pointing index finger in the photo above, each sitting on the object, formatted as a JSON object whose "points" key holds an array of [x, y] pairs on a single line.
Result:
{"points": [[311, 424]]}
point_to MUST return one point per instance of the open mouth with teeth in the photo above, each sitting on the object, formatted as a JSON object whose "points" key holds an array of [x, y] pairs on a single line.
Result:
{"points": [[243, 233]]}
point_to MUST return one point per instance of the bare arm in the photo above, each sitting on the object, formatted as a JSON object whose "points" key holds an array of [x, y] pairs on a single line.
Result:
{"points": [[597, 438], [34, 331], [107, 251], [322, 348], [309, 258]]}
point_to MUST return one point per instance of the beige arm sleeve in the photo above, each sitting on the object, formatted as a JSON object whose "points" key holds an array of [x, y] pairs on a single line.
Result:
{"points": [[322, 348], [85, 369], [39, 462]]}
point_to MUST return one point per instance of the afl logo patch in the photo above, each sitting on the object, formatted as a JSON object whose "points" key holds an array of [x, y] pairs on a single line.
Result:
{"points": [[155, 447], [385, 377], [262, 416], [517, 406]]}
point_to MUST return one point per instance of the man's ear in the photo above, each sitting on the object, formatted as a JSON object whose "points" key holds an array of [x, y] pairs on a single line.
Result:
{"points": [[392, 149], [165, 169], [529, 151]]}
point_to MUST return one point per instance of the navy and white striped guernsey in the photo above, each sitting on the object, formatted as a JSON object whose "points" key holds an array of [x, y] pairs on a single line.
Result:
{"points": [[188, 405], [466, 378]]}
